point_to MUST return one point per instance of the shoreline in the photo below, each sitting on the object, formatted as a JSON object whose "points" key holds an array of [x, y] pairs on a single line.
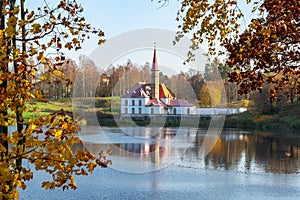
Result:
{"points": [[242, 121]]}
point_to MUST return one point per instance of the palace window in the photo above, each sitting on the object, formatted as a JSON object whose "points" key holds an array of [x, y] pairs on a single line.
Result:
{"points": [[132, 102]]}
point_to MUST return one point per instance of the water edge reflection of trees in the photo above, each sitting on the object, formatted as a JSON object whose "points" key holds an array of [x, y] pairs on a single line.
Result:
{"points": [[255, 152], [249, 152]]}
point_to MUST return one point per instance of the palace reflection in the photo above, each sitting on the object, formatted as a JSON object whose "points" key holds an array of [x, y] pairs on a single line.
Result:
{"points": [[234, 150]]}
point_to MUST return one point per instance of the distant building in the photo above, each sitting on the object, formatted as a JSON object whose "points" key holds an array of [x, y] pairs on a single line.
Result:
{"points": [[154, 98]]}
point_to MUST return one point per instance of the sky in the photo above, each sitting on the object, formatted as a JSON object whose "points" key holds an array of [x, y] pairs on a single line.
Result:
{"points": [[117, 17]]}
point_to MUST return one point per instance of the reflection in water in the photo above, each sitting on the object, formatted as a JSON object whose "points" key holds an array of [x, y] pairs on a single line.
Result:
{"points": [[234, 150], [252, 152], [140, 149]]}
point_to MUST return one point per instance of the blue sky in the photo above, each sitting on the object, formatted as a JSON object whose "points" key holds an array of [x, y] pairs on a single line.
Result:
{"points": [[117, 17]]}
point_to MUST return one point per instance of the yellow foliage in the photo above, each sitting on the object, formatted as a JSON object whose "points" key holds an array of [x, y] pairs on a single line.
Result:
{"points": [[36, 28], [58, 133], [262, 118], [45, 142], [2, 148], [43, 78], [246, 103], [58, 73]]}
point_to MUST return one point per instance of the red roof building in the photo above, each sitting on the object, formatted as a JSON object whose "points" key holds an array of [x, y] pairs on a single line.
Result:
{"points": [[154, 98]]}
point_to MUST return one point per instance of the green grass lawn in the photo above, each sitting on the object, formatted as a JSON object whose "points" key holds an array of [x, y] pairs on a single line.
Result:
{"points": [[107, 105], [37, 109]]}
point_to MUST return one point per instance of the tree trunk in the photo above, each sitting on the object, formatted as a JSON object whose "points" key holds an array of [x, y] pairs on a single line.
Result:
{"points": [[3, 85], [19, 112]]}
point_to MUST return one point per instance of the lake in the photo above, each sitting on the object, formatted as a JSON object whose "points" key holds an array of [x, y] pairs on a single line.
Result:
{"points": [[172, 163]]}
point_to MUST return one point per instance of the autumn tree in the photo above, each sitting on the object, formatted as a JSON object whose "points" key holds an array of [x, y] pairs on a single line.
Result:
{"points": [[204, 98], [87, 77], [196, 80], [103, 89], [45, 143], [257, 54], [69, 69], [124, 76], [271, 46], [52, 81], [57, 83]]}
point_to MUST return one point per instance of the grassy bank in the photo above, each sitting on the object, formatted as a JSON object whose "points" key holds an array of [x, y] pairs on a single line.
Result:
{"points": [[287, 119], [36, 109]]}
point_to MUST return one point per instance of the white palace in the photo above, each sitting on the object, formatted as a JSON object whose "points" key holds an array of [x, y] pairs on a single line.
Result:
{"points": [[154, 98]]}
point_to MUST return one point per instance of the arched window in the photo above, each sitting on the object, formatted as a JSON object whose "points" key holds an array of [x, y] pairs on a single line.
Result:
{"points": [[175, 112]]}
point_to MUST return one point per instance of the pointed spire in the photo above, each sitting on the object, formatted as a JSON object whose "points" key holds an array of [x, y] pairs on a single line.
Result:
{"points": [[154, 77], [154, 63]]}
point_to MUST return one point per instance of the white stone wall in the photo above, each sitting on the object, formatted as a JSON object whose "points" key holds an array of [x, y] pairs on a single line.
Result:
{"points": [[220, 111], [180, 110], [138, 104]]}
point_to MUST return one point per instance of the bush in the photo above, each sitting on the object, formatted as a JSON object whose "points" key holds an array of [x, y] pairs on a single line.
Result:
{"points": [[102, 103], [295, 124]]}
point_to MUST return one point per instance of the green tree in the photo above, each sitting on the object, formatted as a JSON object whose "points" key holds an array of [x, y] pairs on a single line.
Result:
{"points": [[26, 36]]}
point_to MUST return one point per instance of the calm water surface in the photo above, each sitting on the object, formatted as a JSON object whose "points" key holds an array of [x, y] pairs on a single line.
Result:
{"points": [[167, 163]]}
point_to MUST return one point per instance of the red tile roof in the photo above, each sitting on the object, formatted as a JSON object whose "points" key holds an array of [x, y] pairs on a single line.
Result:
{"points": [[156, 102], [142, 90], [180, 103]]}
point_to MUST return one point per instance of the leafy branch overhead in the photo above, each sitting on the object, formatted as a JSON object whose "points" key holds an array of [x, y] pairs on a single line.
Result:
{"points": [[266, 52], [270, 46], [64, 26]]}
